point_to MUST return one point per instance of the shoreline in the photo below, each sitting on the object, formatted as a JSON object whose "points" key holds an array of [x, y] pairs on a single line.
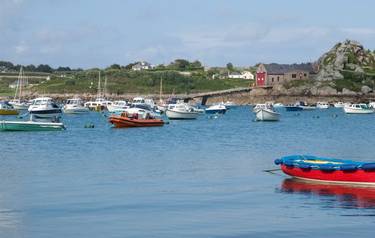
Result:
{"points": [[243, 98]]}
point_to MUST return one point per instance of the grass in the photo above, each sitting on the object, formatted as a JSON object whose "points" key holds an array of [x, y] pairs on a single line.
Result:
{"points": [[144, 82]]}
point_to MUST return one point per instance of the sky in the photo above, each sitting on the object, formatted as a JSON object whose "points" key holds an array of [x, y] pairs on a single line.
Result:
{"points": [[98, 33]]}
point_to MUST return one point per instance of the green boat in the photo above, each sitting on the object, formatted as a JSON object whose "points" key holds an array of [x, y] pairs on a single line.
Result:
{"points": [[30, 126]]}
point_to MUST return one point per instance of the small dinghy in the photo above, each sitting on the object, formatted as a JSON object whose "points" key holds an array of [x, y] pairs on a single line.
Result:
{"points": [[30, 126], [328, 170], [128, 120]]}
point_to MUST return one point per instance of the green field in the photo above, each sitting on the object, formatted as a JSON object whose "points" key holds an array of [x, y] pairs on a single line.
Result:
{"points": [[125, 81]]}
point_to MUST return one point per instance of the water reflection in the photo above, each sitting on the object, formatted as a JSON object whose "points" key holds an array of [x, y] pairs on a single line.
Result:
{"points": [[333, 194]]}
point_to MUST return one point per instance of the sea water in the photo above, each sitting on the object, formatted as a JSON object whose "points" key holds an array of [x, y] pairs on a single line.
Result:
{"points": [[198, 178]]}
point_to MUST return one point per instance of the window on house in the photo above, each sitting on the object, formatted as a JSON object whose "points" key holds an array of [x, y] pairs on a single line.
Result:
{"points": [[294, 76], [278, 79], [305, 74], [272, 80]]}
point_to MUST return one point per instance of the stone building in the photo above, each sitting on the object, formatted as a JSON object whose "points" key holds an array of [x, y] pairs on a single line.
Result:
{"points": [[272, 74]]}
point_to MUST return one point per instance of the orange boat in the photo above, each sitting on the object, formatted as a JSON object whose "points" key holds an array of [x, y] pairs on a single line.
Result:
{"points": [[133, 121]]}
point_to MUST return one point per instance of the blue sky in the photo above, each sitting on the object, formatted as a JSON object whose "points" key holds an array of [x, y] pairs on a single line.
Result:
{"points": [[97, 33]]}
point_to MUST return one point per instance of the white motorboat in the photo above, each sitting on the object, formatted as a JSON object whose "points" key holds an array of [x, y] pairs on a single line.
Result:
{"points": [[181, 111], [265, 112], [44, 107], [117, 106], [98, 104], [339, 104], [74, 106], [360, 108], [322, 105], [216, 109], [372, 105]]}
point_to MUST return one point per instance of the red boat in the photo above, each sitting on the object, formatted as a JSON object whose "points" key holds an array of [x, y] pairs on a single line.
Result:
{"points": [[134, 121], [328, 170]]}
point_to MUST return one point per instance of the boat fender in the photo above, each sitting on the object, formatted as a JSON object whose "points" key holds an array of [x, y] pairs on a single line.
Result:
{"points": [[326, 167], [348, 167], [278, 161], [368, 166]]}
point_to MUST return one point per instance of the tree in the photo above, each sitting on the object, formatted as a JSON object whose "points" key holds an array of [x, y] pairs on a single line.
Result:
{"points": [[44, 68], [230, 66], [6, 64], [114, 66], [196, 65], [30, 68], [180, 64], [63, 69]]}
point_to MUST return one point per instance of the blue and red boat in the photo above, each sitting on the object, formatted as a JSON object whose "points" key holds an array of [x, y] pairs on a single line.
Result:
{"points": [[328, 170]]}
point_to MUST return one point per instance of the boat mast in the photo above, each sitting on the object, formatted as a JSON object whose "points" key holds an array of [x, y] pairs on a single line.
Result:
{"points": [[161, 90], [105, 87], [99, 90], [19, 85]]}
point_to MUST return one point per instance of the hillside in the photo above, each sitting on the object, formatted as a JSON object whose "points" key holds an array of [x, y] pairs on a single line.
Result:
{"points": [[122, 81]]}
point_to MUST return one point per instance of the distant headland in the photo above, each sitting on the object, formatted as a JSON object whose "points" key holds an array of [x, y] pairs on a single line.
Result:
{"points": [[347, 70]]}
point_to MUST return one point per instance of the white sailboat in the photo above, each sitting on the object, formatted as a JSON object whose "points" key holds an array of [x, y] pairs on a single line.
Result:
{"points": [[100, 102], [17, 101]]}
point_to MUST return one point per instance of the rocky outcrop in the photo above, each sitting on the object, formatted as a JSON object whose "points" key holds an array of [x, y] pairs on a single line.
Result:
{"points": [[349, 55], [366, 89]]}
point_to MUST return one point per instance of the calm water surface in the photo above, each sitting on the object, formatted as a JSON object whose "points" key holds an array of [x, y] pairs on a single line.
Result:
{"points": [[198, 178]]}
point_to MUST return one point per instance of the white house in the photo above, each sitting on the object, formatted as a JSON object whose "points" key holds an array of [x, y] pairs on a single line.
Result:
{"points": [[242, 75], [143, 65]]}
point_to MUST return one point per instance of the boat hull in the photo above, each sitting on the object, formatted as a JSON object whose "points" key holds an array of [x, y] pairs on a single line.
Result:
{"points": [[216, 111], [30, 126], [266, 115], [177, 115], [293, 108], [75, 110], [123, 122], [307, 108], [48, 113], [328, 170], [349, 110]]}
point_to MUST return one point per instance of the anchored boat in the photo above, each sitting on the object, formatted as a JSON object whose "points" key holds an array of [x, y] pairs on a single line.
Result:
{"points": [[328, 170], [74, 106], [182, 111], [360, 108], [265, 112], [44, 107], [7, 109], [30, 126], [216, 109], [135, 120]]}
